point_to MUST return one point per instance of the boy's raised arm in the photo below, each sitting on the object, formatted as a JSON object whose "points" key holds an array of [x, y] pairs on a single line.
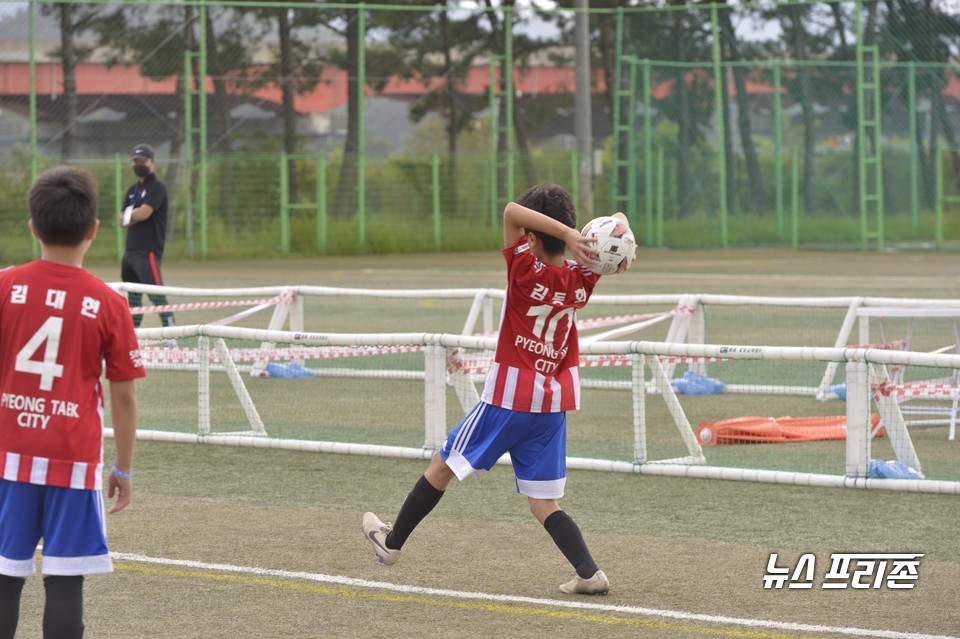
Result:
{"points": [[517, 219]]}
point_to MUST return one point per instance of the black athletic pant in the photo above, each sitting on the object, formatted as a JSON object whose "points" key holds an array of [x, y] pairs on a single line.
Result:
{"points": [[143, 267], [10, 589], [62, 611]]}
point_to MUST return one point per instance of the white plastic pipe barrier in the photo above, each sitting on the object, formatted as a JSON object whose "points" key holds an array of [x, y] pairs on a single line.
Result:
{"points": [[676, 411], [435, 396], [203, 385], [639, 409], [858, 455], [849, 319], [577, 463], [858, 420], [253, 417]]}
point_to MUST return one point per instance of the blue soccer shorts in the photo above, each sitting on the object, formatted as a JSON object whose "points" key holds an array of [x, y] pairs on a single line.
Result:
{"points": [[537, 443], [71, 523]]}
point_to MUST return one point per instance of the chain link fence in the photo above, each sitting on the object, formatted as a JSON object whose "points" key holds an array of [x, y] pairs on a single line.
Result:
{"points": [[304, 128]]}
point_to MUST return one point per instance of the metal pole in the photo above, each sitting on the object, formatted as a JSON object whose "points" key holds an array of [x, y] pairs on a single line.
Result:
{"points": [[632, 168], [202, 87], [361, 129], [648, 155], [795, 198], [583, 118], [938, 219], [574, 180], [188, 149], [914, 157], [508, 52], [118, 202], [435, 190], [661, 168], [32, 45], [617, 151], [878, 149], [284, 204], [718, 80], [321, 169], [861, 132], [778, 145], [494, 125]]}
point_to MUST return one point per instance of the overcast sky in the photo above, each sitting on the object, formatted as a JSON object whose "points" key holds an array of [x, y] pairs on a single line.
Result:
{"points": [[746, 29]]}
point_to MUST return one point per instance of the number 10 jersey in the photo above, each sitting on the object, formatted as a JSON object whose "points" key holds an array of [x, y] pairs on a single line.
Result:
{"points": [[536, 365]]}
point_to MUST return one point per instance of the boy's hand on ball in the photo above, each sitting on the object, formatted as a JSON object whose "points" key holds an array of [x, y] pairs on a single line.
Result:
{"points": [[582, 249]]}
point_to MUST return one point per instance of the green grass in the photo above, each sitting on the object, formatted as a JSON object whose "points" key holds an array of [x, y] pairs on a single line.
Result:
{"points": [[372, 411], [697, 546]]}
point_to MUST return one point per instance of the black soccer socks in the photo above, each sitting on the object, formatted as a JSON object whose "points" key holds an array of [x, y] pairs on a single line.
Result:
{"points": [[566, 535], [416, 506]]}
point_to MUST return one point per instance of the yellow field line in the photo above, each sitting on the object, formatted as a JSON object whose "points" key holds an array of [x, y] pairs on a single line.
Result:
{"points": [[487, 607]]}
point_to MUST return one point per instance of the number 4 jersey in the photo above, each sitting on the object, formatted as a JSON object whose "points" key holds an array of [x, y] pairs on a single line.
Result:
{"points": [[59, 327], [536, 366]]}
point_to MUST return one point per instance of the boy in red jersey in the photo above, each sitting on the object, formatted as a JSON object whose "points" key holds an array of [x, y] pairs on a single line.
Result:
{"points": [[533, 381], [59, 326]]}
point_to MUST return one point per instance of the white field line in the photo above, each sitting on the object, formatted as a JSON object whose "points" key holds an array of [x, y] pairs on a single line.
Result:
{"points": [[556, 603]]}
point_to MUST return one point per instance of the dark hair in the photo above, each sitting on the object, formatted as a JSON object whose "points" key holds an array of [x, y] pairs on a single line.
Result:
{"points": [[63, 205], [553, 201]]}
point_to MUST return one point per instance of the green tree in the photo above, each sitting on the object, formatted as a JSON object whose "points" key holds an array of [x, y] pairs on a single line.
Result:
{"points": [[802, 44], [73, 19], [734, 51], [690, 101], [921, 31], [295, 68], [435, 46], [379, 66], [156, 37]]}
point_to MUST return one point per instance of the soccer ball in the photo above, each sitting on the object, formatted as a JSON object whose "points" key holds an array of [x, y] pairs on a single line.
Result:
{"points": [[615, 244]]}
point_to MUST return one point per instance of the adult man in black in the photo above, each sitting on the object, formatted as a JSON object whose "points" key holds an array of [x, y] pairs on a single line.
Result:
{"points": [[145, 217]]}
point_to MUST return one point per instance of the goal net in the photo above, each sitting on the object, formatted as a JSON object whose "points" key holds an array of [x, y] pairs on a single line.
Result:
{"points": [[667, 404]]}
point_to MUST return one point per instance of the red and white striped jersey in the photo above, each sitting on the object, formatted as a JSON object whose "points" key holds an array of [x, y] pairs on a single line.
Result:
{"points": [[536, 365], [59, 325]]}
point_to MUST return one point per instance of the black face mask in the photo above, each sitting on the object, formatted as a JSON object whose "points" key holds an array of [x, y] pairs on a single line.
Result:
{"points": [[141, 170]]}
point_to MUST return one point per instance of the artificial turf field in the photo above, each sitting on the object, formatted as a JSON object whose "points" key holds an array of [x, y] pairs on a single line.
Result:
{"points": [[230, 542]]}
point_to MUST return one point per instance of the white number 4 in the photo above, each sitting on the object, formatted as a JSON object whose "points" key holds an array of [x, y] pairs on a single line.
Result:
{"points": [[48, 369]]}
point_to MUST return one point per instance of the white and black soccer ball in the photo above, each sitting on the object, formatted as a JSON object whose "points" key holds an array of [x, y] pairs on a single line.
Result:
{"points": [[615, 244]]}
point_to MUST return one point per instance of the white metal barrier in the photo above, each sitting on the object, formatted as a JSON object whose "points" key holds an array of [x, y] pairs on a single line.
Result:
{"points": [[861, 366]]}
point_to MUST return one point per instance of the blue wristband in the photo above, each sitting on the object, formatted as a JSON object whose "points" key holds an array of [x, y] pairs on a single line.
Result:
{"points": [[121, 474]]}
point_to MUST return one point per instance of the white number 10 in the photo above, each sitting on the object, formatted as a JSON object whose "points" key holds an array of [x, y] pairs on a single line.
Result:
{"points": [[48, 369], [542, 313]]}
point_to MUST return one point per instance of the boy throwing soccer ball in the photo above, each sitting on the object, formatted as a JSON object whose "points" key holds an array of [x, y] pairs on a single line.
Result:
{"points": [[532, 382]]}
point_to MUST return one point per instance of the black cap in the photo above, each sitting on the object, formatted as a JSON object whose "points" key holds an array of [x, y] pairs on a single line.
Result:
{"points": [[143, 152]]}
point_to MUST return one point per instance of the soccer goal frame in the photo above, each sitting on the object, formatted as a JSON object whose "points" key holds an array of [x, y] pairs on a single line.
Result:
{"points": [[687, 316], [863, 371], [652, 374]]}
